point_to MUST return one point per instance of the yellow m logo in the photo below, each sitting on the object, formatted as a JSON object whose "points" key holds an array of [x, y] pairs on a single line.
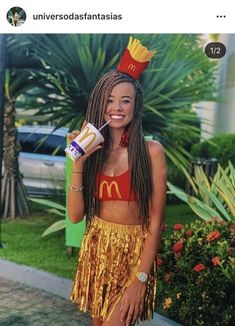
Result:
{"points": [[109, 189], [131, 67], [85, 134]]}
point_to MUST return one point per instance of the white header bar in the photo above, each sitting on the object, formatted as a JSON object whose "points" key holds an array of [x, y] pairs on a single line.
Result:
{"points": [[105, 16]]}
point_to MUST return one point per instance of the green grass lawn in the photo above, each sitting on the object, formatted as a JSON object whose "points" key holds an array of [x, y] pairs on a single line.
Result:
{"points": [[23, 244], [179, 214]]}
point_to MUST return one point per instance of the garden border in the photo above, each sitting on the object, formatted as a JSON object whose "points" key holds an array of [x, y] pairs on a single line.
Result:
{"points": [[55, 285]]}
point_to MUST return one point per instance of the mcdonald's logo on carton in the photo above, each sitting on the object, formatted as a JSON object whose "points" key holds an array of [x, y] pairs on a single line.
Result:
{"points": [[131, 67], [87, 137]]}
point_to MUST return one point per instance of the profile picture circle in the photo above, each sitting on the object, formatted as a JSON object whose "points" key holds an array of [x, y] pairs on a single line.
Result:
{"points": [[16, 16]]}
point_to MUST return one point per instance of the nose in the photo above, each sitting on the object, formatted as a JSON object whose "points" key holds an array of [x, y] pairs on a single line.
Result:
{"points": [[117, 106]]}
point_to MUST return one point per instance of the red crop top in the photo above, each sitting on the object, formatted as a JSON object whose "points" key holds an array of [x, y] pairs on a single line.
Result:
{"points": [[115, 188]]}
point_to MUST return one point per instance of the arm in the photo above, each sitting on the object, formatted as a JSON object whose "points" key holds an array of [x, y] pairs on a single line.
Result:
{"points": [[75, 198], [132, 301]]}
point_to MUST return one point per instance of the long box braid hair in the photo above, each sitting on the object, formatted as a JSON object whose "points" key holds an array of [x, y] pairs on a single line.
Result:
{"points": [[138, 154]]}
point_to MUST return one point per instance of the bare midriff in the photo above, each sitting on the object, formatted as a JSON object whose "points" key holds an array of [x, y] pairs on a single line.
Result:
{"points": [[121, 212]]}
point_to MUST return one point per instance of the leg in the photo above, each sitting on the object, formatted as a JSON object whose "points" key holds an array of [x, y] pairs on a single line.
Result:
{"points": [[115, 319], [97, 322]]}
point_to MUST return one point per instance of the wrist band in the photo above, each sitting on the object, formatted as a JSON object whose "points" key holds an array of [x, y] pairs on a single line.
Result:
{"points": [[75, 189], [77, 172]]}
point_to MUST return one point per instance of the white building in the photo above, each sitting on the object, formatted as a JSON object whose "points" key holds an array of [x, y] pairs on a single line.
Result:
{"points": [[221, 115]]}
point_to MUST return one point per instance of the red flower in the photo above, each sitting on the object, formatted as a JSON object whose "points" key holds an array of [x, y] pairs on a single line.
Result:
{"points": [[168, 278], [215, 260], [159, 261], [178, 246], [189, 233], [178, 227], [199, 267], [214, 235]]}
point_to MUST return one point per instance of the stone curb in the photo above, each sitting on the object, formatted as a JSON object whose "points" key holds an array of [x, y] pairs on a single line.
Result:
{"points": [[56, 285], [35, 278]]}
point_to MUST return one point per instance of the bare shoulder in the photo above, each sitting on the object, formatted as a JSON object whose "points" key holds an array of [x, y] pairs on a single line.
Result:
{"points": [[158, 160], [156, 150]]}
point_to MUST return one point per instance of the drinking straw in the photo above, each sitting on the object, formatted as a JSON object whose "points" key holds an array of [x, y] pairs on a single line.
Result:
{"points": [[104, 125]]}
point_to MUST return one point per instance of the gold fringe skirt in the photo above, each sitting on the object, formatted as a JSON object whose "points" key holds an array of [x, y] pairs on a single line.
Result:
{"points": [[108, 261]]}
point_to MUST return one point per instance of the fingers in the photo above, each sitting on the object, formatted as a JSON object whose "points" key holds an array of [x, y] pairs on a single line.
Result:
{"points": [[84, 124], [129, 318], [73, 134], [86, 155], [137, 314], [124, 310], [130, 313]]}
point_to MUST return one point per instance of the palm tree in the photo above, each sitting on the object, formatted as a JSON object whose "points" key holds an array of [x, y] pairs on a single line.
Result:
{"points": [[18, 79], [179, 76]]}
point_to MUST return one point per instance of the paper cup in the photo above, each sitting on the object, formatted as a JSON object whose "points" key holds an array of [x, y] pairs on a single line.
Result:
{"points": [[88, 138]]}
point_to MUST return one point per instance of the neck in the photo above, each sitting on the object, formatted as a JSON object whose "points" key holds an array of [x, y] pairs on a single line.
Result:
{"points": [[116, 135]]}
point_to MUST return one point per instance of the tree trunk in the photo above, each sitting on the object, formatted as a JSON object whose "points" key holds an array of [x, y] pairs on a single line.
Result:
{"points": [[14, 196]]}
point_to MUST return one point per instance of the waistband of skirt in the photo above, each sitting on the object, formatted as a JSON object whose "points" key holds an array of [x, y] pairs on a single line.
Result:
{"points": [[116, 226]]}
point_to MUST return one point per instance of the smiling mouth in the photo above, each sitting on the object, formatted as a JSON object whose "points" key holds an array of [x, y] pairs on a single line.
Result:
{"points": [[116, 116]]}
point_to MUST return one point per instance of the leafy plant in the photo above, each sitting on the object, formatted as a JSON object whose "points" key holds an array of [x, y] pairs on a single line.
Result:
{"points": [[221, 147], [214, 196], [196, 272], [55, 208], [179, 76]]}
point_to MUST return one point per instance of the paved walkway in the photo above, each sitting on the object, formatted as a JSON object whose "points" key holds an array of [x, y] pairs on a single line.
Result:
{"points": [[21, 305], [31, 297]]}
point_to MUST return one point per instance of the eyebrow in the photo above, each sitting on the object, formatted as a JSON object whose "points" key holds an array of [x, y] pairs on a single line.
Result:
{"points": [[122, 96]]}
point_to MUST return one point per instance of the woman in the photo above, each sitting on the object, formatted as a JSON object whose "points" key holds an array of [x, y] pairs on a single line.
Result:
{"points": [[121, 187]]}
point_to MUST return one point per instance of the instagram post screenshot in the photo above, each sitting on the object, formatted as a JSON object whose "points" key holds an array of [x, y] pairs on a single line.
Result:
{"points": [[117, 163]]}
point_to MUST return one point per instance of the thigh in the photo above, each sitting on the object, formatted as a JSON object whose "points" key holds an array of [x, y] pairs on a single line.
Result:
{"points": [[115, 318], [97, 321]]}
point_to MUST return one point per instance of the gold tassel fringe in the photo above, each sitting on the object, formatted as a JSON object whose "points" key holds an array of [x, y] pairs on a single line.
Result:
{"points": [[108, 261]]}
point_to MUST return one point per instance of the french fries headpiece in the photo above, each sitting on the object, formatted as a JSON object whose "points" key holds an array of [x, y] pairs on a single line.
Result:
{"points": [[135, 58]]}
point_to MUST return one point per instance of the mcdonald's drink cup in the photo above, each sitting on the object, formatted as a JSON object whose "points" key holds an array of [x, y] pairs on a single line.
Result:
{"points": [[88, 138]]}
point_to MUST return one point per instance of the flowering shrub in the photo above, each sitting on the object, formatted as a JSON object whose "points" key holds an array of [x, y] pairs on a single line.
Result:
{"points": [[196, 273]]}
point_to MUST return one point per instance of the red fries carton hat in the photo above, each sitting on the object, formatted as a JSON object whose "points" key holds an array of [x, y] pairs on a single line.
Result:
{"points": [[135, 58]]}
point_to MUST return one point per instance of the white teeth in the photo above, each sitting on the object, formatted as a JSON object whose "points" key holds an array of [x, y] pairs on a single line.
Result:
{"points": [[116, 116]]}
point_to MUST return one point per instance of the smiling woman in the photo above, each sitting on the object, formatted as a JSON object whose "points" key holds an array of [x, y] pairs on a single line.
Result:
{"points": [[121, 188], [120, 106]]}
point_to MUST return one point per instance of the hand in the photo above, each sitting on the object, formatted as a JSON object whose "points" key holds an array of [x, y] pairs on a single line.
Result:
{"points": [[75, 133], [132, 302], [72, 136]]}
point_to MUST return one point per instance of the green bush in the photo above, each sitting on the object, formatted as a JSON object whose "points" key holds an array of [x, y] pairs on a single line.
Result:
{"points": [[196, 272], [222, 148]]}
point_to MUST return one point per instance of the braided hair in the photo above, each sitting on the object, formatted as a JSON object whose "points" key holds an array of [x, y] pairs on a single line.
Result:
{"points": [[138, 154]]}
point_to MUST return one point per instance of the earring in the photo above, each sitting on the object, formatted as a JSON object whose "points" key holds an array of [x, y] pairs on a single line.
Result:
{"points": [[125, 137]]}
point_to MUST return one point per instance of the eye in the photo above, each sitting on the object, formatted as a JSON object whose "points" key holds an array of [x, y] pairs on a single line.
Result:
{"points": [[110, 100], [126, 101]]}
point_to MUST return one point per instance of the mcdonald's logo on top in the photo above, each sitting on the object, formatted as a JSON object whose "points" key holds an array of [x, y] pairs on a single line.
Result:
{"points": [[109, 187]]}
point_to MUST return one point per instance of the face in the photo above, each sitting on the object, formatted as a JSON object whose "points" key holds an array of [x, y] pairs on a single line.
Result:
{"points": [[16, 17], [120, 107]]}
